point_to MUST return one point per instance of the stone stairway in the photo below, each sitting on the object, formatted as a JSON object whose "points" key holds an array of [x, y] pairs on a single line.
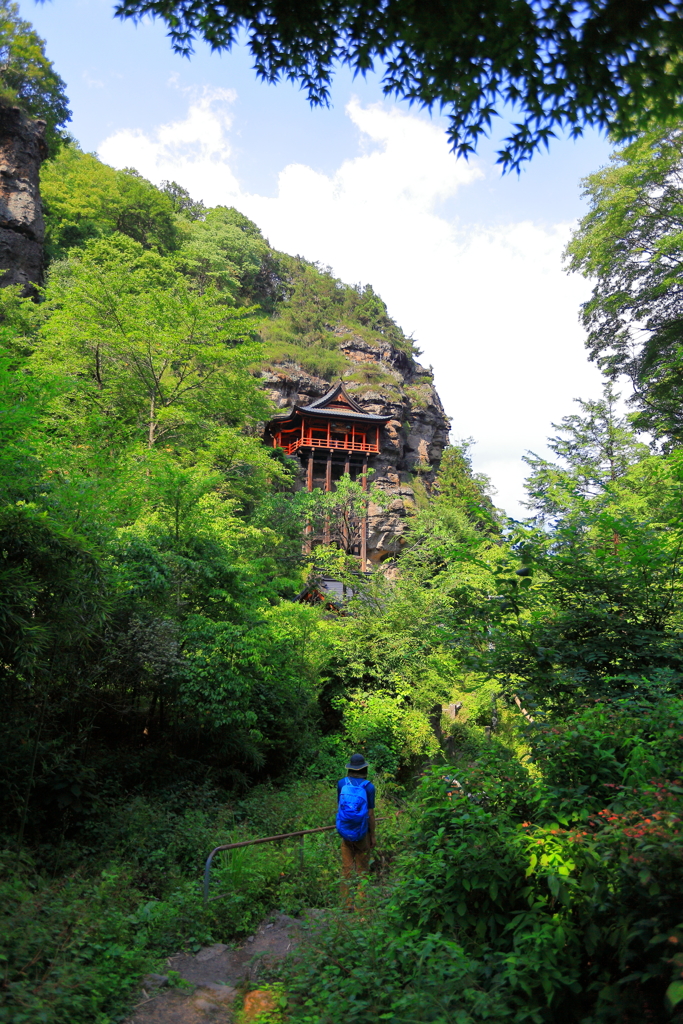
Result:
{"points": [[216, 973]]}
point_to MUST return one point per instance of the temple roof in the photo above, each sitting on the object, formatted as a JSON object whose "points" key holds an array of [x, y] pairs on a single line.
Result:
{"points": [[337, 402], [337, 396]]}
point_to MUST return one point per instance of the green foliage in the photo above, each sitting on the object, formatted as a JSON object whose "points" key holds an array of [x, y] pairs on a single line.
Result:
{"points": [[459, 489], [71, 950], [540, 903], [392, 658], [598, 602], [340, 513], [152, 653], [182, 201], [383, 681], [255, 684], [225, 249], [629, 244], [147, 351], [585, 606], [617, 745], [53, 596], [388, 730], [362, 970], [22, 401], [130, 468], [477, 694], [321, 312], [74, 949], [85, 199], [27, 77], [372, 375], [539, 921], [558, 67], [599, 448], [217, 253]]}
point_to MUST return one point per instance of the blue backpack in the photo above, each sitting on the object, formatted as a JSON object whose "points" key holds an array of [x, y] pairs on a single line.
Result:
{"points": [[353, 813]]}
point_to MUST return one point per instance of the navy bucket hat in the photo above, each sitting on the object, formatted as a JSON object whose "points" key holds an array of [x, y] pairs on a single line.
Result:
{"points": [[357, 762]]}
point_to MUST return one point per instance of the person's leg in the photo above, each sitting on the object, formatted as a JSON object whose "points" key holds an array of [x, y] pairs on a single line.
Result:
{"points": [[348, 856], [347, 865], [362, 852], [361, 859]]}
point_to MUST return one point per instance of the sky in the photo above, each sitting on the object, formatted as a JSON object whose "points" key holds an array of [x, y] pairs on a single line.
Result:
{"points": [[469, 261]]}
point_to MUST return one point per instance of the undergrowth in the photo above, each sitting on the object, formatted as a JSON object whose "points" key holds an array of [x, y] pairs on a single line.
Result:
{"points": [[537, 897], [75, 944]]}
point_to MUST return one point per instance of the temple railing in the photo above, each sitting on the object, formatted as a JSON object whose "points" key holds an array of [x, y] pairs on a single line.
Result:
{"points": [[319, 442]]}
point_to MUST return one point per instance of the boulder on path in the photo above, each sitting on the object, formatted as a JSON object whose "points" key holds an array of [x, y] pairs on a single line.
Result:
{"points": [[259, 1001]]}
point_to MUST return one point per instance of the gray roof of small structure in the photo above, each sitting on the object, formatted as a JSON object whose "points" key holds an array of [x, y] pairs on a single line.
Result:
{"points": [[335, 590]]}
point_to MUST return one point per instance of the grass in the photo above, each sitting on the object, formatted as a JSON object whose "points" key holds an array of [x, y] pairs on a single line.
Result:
{"points": [[370, 373], [420, 491], [419, 395], [318, 361]]}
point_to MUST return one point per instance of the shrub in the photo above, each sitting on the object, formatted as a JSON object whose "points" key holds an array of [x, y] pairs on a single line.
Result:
{"points": [[534, 898], [382, 723], [362, 969], [71, 951]]}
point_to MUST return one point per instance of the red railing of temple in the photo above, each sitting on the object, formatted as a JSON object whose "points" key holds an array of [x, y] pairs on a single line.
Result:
{"points": [[309, 436], [319, 442]]}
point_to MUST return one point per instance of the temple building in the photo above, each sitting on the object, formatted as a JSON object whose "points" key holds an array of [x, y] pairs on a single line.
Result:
{"points": [[331, 436]]}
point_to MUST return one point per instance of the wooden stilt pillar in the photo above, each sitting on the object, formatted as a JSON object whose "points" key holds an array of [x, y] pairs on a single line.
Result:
{"points": [[346, 526], [364, 524], [308, 533], [328, 490]]}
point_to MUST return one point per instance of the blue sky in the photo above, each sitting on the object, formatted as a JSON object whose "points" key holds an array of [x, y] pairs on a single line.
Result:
{"points": [[468, 260]]}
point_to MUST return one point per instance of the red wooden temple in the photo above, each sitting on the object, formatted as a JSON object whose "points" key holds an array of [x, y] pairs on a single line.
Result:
{"points": [[331, 436]]}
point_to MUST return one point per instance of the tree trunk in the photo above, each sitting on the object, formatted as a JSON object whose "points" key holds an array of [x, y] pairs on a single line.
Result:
{"points": [[152, 423]]}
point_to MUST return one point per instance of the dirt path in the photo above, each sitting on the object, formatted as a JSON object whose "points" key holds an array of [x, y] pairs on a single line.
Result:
{"points": [[216, 972]]}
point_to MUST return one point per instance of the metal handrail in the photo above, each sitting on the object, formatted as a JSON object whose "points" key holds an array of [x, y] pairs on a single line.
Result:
{"points": [[255, 842]]}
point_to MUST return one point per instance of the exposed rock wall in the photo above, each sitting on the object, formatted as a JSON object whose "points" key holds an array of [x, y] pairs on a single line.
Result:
{"points": [[22, 230], [411, 444]]}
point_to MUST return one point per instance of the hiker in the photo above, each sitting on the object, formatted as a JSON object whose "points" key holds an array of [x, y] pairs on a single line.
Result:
{"points": [[355, 817]]}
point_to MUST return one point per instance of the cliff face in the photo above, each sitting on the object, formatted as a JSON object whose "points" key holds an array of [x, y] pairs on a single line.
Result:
{"points": [[412, 442], [22, 150]]}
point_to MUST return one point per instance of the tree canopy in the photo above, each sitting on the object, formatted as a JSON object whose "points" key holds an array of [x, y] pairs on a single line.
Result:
{"points": [[561, 64], [596, 448], [28, 78], [631, 244]]}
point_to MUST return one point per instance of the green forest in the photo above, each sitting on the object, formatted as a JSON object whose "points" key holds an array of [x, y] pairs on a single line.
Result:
{"points": [[164, 691]]}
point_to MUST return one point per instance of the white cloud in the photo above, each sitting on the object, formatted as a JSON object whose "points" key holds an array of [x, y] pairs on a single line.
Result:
{"points": [[195, 152], [92, 83], [491, 307]]}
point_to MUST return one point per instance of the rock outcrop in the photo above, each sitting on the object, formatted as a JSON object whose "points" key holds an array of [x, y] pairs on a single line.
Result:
{"points": [[412, 442], [22, 230]]}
